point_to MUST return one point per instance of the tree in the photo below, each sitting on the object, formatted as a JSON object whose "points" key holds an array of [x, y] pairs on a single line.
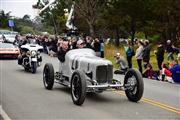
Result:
{"points": [[89, 10], [4, 17], [168, 18], [26, 17]]}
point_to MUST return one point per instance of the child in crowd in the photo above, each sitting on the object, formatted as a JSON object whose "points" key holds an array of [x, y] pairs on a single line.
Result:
{"points": [[149, 72], [166, 73]]}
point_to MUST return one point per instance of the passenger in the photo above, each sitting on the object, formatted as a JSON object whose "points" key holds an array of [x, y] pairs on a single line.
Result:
{"points": [[175, 70], [64, 48], [80, 44]]}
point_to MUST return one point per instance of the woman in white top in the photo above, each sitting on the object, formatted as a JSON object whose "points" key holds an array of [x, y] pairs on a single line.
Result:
{"points": [[139, 53]]}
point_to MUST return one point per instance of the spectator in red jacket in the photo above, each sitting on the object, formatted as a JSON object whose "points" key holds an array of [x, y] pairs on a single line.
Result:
{"points": [[166, 73]]}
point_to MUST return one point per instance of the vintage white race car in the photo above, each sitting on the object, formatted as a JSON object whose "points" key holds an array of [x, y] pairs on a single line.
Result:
{"points": [[84, 72]]}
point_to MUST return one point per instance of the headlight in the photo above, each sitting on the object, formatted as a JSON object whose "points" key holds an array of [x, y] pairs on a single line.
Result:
{"points": [[28, 53], [38, 52], [33, 53]]}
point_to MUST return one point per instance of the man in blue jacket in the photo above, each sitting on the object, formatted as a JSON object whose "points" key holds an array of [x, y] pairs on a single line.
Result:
{"points": [[175, 70]]}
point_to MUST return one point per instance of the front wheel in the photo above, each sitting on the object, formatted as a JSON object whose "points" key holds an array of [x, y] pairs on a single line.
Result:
{"points": [[48, 76], [134, 85], [78, 87], [34, 67]]}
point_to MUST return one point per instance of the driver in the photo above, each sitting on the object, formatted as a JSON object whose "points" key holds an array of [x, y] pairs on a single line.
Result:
{"points": [[63, 49], [23, 52]]}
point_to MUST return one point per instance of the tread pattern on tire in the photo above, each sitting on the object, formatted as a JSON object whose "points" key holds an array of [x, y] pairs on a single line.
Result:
{"points": [[50, 77], [140, 85], [80, 101]]}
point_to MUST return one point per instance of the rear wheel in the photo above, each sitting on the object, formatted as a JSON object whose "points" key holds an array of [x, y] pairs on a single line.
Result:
{"points": [[26, 69], [48, 76], [133, 84], [78, 87]]}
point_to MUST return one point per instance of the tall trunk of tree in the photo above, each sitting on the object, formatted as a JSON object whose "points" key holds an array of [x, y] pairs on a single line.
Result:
{"points": [[54, 24], [146, 36], [133, 30], [91, 29], [173, 32], [117, 37]]}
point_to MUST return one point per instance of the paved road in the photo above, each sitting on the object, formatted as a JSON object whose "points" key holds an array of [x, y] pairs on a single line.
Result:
{"points": [[24, 97]]}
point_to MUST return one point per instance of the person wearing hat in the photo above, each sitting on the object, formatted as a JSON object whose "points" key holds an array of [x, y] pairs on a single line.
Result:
{"points": [[170, 50]]}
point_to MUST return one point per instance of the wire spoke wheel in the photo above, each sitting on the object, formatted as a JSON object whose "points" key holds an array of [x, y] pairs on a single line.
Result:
{"points": [[132, 82], [78, 88], [48, 76]]}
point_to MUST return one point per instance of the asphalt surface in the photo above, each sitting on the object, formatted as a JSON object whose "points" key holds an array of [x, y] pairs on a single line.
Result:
{"points": [[23, 97], [1, 118]]}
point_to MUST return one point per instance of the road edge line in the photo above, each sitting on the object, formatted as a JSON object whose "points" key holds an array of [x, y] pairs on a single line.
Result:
{"points": [[3, 114]]}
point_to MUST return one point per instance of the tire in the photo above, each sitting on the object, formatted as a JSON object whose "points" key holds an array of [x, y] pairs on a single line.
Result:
{"points": [[48, 76], [34, 67], [78, 87], [19, 61], [135, 89]]}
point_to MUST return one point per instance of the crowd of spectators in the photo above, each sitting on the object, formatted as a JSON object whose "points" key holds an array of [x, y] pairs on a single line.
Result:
{"points": [[52, 44], [167, 71]]}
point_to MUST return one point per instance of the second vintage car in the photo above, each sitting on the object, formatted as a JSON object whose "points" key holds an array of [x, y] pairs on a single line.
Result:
{"points": [[9, 50], [84, 72]]}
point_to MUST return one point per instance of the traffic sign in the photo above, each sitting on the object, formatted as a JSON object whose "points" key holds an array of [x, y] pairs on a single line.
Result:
{"points": [[11, 23]]}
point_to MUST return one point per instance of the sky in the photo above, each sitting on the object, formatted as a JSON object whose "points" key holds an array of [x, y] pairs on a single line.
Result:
{"points": [[19, 8]]}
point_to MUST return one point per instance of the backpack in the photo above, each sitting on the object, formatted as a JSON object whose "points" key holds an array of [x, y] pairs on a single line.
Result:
{"points": [[130, 52]]}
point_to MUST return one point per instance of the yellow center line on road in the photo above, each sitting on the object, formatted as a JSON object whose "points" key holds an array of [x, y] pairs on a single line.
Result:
{"points": [[155, 103]]}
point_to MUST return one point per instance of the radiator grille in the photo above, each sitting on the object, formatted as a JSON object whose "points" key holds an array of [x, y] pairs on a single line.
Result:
{"points": [[104, 73]]}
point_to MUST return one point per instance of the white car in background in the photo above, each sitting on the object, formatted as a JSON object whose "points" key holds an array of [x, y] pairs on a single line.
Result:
{"points": [[7, 36], [10, 37]]}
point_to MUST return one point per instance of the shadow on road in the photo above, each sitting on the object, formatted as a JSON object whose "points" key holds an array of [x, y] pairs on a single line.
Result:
{"points": [[95, 97], [21, 70], [7, 58]]}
